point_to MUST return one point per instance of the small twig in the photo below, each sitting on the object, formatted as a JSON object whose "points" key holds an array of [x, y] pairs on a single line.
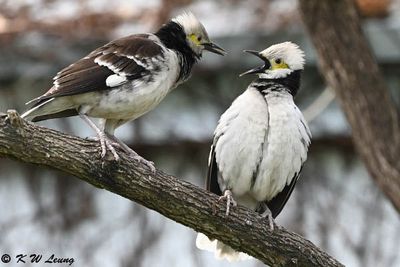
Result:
{"points": [[319, 104]]}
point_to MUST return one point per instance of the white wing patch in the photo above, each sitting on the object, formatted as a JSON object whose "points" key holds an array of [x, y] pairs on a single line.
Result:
{"points": [[110, 66], [115, 80], [138, 61]]}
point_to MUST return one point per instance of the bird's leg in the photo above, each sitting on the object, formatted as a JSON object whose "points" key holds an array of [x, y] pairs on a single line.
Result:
{"points": [[134, 155], [268, 215], [229, 201], [104, 141]]}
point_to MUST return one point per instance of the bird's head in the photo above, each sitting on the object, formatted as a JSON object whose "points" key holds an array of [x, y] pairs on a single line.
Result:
{"points": [[280, 60], [196, 35]]}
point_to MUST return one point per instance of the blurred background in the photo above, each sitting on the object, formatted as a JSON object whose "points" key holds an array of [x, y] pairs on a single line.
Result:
{"points": [[336, 204]]}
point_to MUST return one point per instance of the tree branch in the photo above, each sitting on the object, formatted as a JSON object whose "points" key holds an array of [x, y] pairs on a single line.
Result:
{"points": [[178, 200], [351, 70]]}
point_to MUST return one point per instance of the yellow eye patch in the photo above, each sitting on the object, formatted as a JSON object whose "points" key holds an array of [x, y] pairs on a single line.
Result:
{"points": [[196, 40], [278, 64]]}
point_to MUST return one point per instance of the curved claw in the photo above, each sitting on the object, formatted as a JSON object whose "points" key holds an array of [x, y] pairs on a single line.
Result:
{"points": [[112, 149], [229, 201], [105, 144], [133, 154], [148, 163], [268, 215]]}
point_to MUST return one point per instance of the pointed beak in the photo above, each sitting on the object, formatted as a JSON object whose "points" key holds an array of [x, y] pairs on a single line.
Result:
{"points": [[260, 69], [214, 49]]}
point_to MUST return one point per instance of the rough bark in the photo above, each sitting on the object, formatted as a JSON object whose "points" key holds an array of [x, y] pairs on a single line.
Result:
{"points": [[350, 68], [178, 200]]}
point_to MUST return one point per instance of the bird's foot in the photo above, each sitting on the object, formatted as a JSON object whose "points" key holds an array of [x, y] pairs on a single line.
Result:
{"points": [[267, 214], [146, 162], [133, 154], [105, 141], [105, 144], [229, 201]]}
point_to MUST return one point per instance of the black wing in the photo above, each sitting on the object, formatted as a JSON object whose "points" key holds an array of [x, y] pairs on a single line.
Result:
{"points": [[276, 204], [212, 173], [126, 57]]}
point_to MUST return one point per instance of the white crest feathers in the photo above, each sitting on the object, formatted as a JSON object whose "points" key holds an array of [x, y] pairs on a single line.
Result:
{"points": [[189, 23], [289, 52]]}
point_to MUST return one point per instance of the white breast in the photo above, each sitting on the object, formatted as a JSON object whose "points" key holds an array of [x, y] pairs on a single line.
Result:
{"points": [[286, 148], [264, 132], [240, 132], [135, 98]]}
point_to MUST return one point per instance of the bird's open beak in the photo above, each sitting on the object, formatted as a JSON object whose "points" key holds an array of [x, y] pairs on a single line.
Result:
{"points": [[260, 69], [214, 49]]}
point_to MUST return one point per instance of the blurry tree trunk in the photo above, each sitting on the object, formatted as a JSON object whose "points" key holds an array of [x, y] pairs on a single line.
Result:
{"points": [[351, 70], [178, 200]]}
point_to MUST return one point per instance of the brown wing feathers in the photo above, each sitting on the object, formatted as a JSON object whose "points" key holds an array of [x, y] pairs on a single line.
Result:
{"points": [[126, 56]]}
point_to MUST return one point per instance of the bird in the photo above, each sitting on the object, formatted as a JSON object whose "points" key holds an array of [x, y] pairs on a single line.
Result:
{"points": [[260, 143], [124, 79]]}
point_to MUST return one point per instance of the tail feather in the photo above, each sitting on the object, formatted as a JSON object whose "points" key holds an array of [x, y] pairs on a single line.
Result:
{"points": [[61, 114], [34, 101], [221, 251], [49, 109], [30, 114]]}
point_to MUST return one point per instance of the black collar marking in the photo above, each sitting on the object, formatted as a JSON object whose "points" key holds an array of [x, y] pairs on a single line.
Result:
{"points": [[291, 83]]}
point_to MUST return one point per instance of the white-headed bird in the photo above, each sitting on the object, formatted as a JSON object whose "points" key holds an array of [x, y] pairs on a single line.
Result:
{"points": [[261, 142], [125, 79]]}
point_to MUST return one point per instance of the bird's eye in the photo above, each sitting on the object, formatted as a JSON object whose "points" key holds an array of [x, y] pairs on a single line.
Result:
{"points": [[199, 38], [278, 61]]}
